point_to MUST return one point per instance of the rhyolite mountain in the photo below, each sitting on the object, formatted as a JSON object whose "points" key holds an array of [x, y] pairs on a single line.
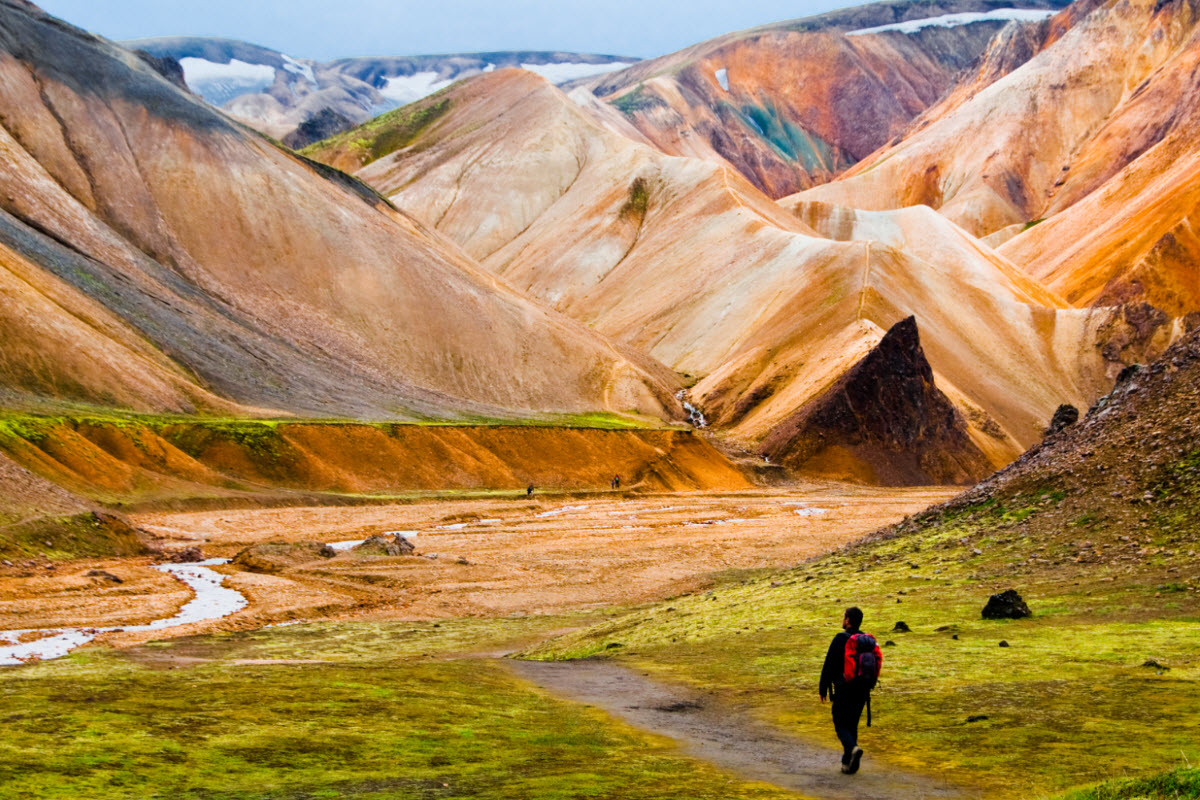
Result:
{"points": [[156, 256], [795, 103], [1080, 163], [301, 100], [684, 259]]}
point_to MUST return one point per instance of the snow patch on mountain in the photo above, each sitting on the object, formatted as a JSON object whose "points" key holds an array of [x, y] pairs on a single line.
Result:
{"points": [[965, 18], [722, 76], [410, 88], [569, 71], [219, 83], [297, 68]]}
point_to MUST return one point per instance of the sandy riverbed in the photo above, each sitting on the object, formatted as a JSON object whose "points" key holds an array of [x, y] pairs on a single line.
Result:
{"points": [[494, 557]]}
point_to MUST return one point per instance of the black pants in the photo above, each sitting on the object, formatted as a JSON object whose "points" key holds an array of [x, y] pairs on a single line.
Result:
{"points": [[847, 710]]}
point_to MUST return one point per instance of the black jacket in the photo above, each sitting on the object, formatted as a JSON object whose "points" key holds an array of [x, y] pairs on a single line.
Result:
{"points": [[832, 679]]}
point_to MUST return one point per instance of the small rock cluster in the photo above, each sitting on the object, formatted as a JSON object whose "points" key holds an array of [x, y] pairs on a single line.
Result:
{"points": [[396, 546]]}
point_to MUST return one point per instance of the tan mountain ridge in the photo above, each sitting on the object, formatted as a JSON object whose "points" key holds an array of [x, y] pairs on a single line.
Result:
{"points": [[158, 257], [684, 259]]}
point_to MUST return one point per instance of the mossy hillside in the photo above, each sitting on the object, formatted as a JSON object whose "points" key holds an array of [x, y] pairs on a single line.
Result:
{"points": [[1068, 702], [1181, 784], [59, 538], [387, 711], [385, 134]]}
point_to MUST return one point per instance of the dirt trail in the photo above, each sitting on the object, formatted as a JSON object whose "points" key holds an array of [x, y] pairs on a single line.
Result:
{"points": [[725, 736]]}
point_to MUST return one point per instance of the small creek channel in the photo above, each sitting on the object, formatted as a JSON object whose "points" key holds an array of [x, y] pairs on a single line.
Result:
{"points": [[211, 601]]}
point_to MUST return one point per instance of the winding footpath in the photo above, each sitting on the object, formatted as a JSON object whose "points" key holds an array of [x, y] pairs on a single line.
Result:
{"points": [[712, 731]]}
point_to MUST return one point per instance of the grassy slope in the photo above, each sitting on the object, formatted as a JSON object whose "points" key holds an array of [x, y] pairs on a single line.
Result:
{"points": [[1099, 533], [1182, 784], [383, 713]]}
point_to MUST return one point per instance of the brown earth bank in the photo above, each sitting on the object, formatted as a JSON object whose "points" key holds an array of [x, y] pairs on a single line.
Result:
{"points": [[486, 558], [132, 464]]}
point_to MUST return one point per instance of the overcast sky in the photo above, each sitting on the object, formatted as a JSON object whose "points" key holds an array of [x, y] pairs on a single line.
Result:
{"points": [[326, 29]]}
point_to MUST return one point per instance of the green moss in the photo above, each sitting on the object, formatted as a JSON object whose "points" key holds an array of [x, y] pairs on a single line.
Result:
{"points": [[636, 100], [388, 132], [66, 537], [638, 202], [381, 720], [1181, 784]]}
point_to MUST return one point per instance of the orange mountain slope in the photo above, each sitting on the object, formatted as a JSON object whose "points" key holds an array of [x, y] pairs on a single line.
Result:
{"points": [[793, 104], [1002, 153], [686, 260], [180, 262]]}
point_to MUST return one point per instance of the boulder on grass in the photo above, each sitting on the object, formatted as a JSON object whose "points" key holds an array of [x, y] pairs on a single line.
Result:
{"points": [[1006, 605]]}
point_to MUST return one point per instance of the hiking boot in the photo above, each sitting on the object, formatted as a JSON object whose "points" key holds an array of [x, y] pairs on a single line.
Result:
{"points": [[845, 769], [855, 760]]}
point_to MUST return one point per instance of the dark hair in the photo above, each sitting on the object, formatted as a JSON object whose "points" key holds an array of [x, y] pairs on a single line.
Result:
{"points": [[854, 614]]}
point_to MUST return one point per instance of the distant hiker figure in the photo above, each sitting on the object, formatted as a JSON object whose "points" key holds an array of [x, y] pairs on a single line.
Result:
{"points": [[851, 669], [529, 490], [615, 483]]}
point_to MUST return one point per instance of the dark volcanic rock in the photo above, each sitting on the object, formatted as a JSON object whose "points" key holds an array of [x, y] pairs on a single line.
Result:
{"points": [[188, 555], [901, 627], [167, 66], [1006, 605], [322, 125], [886, 413], [1065, 416], [102, 575]]}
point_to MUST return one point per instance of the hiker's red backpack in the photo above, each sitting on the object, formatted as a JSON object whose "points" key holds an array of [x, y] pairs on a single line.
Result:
{"points": [[863, 661]]}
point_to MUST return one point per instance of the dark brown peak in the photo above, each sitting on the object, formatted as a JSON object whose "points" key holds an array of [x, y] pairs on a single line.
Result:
{"points": [[886, 416]]}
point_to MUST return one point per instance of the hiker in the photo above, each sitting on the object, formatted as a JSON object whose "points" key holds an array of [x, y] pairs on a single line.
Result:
{"points": [[851, 669], [615, 483], [529, 490]]}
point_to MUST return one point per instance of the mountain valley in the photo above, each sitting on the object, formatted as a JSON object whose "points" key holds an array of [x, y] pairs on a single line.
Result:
{"points": [[521, 423]]}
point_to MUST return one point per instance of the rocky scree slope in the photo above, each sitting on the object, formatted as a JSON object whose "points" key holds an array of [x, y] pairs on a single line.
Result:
{"points": [[156, 256]]}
